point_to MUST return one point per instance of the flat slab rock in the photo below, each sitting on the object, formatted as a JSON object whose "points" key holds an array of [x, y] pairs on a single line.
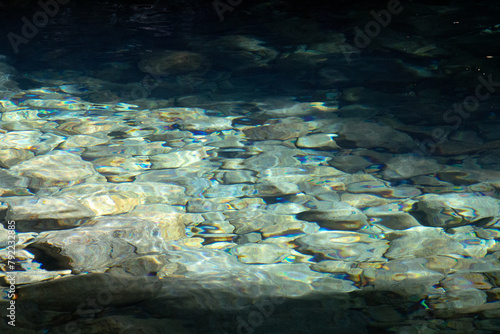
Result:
{"points": [[456, 209], [100, 243]]}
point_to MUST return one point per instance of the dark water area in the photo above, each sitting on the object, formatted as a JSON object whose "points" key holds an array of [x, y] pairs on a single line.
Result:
{"points": [[233, 166]]}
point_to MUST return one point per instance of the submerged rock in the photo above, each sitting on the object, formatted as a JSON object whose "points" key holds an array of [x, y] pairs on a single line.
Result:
{"points": [[320, 141], [13, 156], [451, 210], [341, 216], [35, 141], [343, 246], [260, 253], [280, 131], [421, 242], [404, 276], [371, 135], [100, 243], [35, 208], [66, 294], [57, 169]]}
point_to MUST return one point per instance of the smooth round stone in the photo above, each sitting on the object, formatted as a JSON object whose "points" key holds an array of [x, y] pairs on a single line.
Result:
{"points": [[260, 253], [100, 243], [319, 141], [340, 217], [234, 163], [274, 158], [350, 163], [429, 181], [34, 141], [273, 189], [403, 276], [441, 264], [465, 177], [407, 166], [13, 156], [451, 210], [373, 186], [236, 176], [421, 242], [395, 220], [253, 237], [177, 159], [372, 135], [343, 246], [57, 169], [488, 233], [289, 229], [466, 281], [452, 147], [34, 208], [361, 201]]}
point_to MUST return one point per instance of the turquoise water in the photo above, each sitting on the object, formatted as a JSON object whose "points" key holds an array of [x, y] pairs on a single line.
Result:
{"points": [[232, 167]]}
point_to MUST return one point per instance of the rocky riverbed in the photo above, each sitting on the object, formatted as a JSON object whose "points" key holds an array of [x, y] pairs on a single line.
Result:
{"points": [[202, 209], [203, 200]]}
